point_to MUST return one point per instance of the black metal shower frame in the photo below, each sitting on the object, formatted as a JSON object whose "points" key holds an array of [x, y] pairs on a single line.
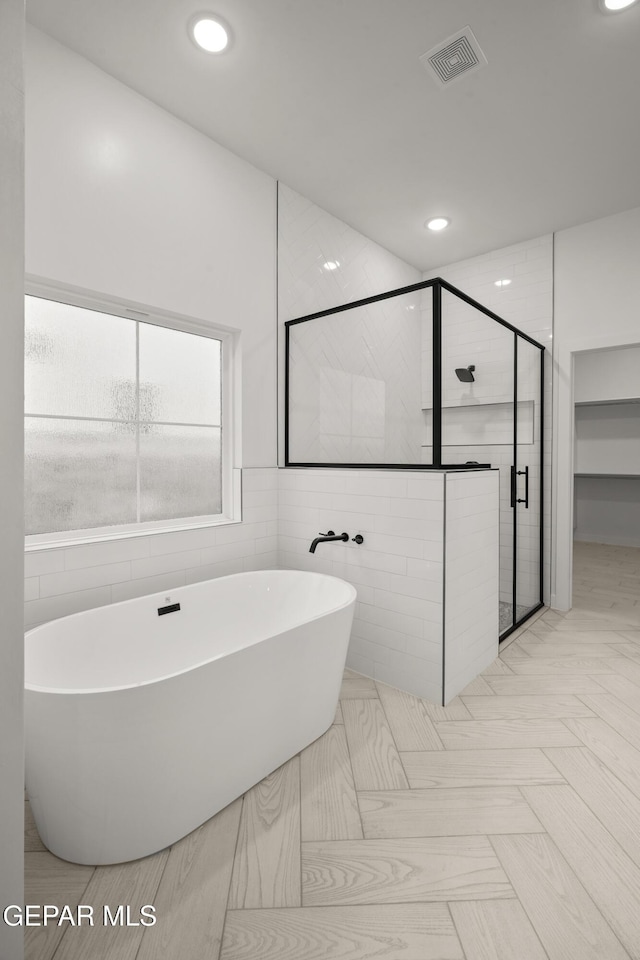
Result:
{"points": [[438, 285]]}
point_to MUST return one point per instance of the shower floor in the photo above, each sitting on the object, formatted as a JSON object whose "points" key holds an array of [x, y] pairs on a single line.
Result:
{"points": [[506, 615]]}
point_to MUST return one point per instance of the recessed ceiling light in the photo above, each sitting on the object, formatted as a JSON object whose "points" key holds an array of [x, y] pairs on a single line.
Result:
{"points": [[502, 283], [331, 264], [438, 223], [209, 33], [611, 6]]}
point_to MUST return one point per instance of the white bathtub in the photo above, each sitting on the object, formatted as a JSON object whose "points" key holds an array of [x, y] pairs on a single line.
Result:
{"points": [[140, 726]]}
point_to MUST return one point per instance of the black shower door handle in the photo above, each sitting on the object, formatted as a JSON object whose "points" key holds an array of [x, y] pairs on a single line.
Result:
{"points": [[513, 486], [525, 473]]}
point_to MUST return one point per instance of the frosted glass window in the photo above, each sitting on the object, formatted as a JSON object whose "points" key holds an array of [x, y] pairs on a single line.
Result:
{"points": [[122, 420], [179, 472], [175, 376], [78, 474], [78, 363]]}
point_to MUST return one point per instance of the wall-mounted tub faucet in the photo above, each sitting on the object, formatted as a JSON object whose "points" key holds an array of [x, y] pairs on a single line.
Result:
{"points": [[326, 538]]}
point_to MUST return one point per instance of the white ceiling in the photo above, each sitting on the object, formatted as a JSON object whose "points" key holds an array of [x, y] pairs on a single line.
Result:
{"points": [[330, 97]]}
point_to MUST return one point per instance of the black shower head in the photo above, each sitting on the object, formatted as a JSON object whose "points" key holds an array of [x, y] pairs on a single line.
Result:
{"points": [[465, 374]]}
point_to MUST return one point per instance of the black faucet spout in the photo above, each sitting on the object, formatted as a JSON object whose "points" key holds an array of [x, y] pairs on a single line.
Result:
{"points": [[327, 538]]}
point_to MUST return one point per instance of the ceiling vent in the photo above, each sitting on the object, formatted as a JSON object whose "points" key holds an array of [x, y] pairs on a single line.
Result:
{"points": [[455, 57]]}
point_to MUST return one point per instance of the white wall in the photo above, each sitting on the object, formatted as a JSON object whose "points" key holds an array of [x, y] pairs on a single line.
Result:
{"points": [[11, 444], [125, 200], [607, 442], [608, 510], [597, 305]]}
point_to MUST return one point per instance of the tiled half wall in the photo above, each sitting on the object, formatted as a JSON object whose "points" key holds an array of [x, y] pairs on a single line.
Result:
{"points": [[426, 574]]}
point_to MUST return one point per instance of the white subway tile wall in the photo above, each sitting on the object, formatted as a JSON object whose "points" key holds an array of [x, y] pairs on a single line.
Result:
{"points": [[500, 456], [397, 632], [398, 570], [65, 580], [310, 238], [471, 577]]}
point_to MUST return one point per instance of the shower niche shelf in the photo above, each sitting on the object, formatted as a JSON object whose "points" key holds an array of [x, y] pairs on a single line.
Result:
{"points": [[482, 424], [610, 476], [607, 403], [608, 438]]}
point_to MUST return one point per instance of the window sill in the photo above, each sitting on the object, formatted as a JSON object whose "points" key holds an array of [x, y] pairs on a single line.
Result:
{"points": [[103, 535]]}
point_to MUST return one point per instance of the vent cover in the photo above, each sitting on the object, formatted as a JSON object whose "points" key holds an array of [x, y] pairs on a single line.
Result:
{"points": [[455, 57]]}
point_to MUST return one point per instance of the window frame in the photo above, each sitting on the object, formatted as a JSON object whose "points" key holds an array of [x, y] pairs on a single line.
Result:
{"points": [[229, 413]]}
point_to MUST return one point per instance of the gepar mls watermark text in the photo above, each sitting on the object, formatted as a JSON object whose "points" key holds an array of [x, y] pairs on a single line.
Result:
{"points": [[82, 915]]}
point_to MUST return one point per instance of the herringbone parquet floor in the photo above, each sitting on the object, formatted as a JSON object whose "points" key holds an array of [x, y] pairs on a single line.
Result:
{"points": [[503, 827]]}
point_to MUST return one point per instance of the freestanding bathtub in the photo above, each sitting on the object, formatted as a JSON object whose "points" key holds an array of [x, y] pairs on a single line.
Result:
{"points": [[142, 722]]}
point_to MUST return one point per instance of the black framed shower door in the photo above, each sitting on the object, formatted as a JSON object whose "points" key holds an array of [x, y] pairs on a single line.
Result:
{"points": [[526, 481]]}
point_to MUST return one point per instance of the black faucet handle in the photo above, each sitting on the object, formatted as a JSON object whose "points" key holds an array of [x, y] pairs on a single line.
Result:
{"points": [[329, 533], [358, 538]]}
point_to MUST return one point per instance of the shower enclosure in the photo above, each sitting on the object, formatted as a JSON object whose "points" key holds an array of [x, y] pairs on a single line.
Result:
{"points": [[426, 378]]}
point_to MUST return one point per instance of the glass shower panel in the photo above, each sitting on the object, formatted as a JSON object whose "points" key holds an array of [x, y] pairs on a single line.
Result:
{"points": [[356, 385], [477, 411], [426, 375], [78, 474], [78, 363], [179, 376], [527, 478], [179, 471], [477, 385]]}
